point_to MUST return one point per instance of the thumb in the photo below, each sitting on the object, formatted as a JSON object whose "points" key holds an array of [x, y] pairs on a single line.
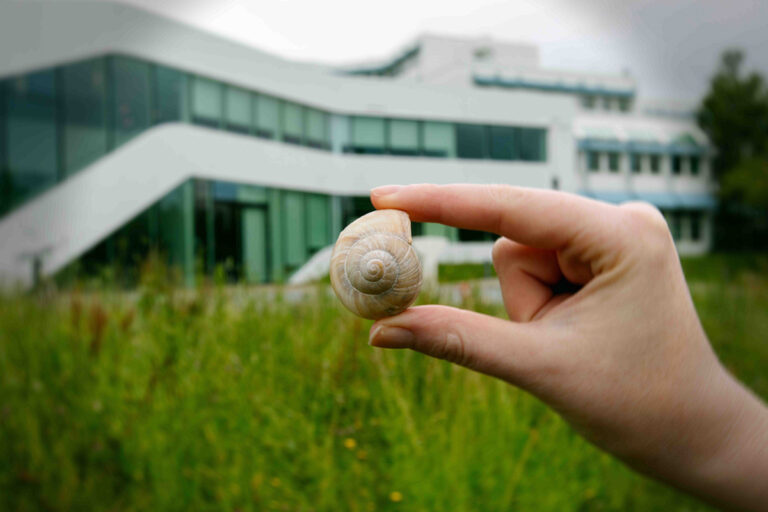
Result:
{"points": [[503, 349]]}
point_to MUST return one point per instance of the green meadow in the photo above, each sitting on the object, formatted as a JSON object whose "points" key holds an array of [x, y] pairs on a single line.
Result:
{"points": [[235, 399]]}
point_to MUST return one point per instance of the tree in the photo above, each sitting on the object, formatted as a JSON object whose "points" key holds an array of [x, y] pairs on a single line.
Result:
{"points": [[734, 114]]}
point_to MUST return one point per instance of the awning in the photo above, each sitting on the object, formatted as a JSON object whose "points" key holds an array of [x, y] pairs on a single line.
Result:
{"points": [[665, 200], [615, 197], [697, 202], [662, 200]]}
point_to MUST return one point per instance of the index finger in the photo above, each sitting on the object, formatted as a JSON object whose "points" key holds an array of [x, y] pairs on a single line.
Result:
{"points": [[545, 219]]}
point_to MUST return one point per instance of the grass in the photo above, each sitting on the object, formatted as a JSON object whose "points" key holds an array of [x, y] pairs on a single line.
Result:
{"points": [[215, 399]]}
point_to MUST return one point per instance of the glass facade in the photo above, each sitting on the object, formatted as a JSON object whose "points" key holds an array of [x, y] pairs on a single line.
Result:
{"points": [[131, 114], [30, 135], [53, 123], [83, 96]]}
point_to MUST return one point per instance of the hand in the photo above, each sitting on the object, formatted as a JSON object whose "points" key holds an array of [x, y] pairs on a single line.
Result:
{"points": [[624, 359]]}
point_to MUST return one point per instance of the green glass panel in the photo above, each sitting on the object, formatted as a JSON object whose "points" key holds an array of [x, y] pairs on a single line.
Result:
{"points": [[5, 186], [317, 127], [293, 122], [177, 228], [238, 109], [532, 144], [403, 136], [206, 101], [251, 194], [368, 133], [294, 226], [267, 112], [471, 141], [30, 135], [131, 98], [503, 143], [84, 102], [439, 139], [255, 244], [317, 220], [432, 229], [169, 95], [276, 234]]}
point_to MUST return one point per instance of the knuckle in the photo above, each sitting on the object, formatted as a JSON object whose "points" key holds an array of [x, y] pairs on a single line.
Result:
{"points": [[646, 225], [644, 218], [499, 248], [452, 346]]}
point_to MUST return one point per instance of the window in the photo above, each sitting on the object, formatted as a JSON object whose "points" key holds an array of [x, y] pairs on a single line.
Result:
{"points": [[238, 110], [655, 164], [613, 162], [694, 161], [403, 137], [503, 145], [131, 98], [438, 139], [676, 225], [471, 141], [624, 104], [677, 164], [318, 225], [295, 236], [593, 161], [532, 144], [293, 123], [30, 134], [695, 219], [607, 103], [368, 135], [169, 95], [85, 104], [635, 162], [206, 102], [588, 102], [316, 128], [267, 116]]}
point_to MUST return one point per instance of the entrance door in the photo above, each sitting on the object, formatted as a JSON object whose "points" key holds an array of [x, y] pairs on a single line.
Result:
{"points": [[254, 243], [227, 228]]}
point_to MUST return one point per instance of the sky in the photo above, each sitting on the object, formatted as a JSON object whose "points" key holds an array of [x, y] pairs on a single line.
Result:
{"points": [[671, 47]]}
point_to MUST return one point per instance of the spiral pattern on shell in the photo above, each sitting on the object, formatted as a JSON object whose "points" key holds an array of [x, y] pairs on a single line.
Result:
{"points": [[374, 270]]}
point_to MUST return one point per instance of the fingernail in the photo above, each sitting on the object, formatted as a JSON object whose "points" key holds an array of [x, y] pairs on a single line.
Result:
{"points": [[384, 336], [385, 190]]}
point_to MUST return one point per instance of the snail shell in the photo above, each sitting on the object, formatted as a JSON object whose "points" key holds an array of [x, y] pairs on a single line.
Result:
{"points": [[374, 270]]}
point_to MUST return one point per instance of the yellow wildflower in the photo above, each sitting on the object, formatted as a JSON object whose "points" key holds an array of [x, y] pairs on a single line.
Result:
{"points": [[275, 482], [350, 443], [396, 496]]}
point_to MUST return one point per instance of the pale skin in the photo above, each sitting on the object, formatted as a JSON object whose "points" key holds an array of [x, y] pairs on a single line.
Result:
{"points": [[624, 358]]}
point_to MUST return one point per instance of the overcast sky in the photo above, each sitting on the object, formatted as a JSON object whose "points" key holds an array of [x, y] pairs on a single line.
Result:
{"points": [[670, 46]]}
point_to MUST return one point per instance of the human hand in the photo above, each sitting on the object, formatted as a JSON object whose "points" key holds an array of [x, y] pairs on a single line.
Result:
{"points": [[624, 359]]}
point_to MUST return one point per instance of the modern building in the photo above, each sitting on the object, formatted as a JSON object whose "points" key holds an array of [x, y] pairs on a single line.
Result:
{"points": [[122, 131]]}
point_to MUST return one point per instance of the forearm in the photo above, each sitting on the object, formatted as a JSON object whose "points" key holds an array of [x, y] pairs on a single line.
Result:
{"points": [[720, 453], [736, 476]]}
